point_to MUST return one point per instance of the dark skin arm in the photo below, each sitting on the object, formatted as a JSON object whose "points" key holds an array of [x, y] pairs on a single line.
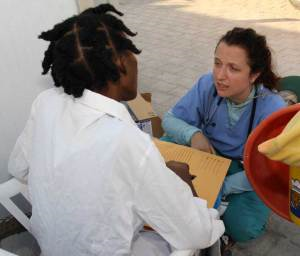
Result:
{"points": [[182, 170]]}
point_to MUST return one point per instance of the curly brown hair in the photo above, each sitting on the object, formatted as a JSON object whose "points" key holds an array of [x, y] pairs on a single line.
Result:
{"points": [[259, 54]]}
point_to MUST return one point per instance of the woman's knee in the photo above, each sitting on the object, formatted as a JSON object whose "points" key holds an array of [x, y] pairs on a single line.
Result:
{"points": [[244, 233], [245, 218]]}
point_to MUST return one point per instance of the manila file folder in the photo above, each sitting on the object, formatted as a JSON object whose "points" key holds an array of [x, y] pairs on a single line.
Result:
{"points": [[210, 170]]}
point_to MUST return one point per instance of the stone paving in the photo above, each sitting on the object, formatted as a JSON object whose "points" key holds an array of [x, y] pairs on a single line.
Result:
{"points": [[178, 39]]}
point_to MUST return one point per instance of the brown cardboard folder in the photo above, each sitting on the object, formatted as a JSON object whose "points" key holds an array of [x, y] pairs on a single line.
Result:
{"points": [[210, 170]]}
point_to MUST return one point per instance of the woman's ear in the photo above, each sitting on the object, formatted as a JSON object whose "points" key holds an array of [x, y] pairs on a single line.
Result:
{"points": [[254, 76]]}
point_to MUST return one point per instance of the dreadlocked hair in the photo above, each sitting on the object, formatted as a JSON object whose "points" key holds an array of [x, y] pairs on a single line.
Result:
{"points": [[83, 50]]}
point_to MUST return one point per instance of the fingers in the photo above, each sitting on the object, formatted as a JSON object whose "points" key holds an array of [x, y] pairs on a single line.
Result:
{"points": [[193, 176], [200, 142], [174, 165], [212, 150]]}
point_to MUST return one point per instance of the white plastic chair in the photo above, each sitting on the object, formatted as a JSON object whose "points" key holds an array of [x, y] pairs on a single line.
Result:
{"points": [[185, 253], [8, 190], [6, 253], [13, 187]]}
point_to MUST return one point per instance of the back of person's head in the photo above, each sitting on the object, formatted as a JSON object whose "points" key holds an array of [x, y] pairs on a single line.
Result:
{"points": [[258, 52], [84, 50]]}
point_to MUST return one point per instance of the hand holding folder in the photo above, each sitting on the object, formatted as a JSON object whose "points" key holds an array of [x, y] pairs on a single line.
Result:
{"points": [[182, 170], [210, 170]]}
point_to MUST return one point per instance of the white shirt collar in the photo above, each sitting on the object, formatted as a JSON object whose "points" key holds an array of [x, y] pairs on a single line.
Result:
{"points": [[104, 104]]}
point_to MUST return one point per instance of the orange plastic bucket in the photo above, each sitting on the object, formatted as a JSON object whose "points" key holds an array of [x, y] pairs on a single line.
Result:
{"points": [[269, 179]]}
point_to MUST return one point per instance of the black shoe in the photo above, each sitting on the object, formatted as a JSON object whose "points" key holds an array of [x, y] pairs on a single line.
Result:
{"points": [[204, 252], [214, 250], [226, 245]]}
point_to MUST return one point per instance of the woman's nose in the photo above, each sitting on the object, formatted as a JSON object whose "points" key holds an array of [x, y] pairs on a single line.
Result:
{"points": [[221, 73]]}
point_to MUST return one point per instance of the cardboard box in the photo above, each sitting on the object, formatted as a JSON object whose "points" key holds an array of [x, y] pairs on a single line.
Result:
{"points": [[142, 113], [210, 170]]}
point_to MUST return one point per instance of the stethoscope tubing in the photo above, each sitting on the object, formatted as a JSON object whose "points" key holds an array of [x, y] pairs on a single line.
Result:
{"points": [[208, 119]]}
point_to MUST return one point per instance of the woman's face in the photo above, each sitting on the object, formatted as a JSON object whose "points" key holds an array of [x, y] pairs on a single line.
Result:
{"points": [[232, 73]]}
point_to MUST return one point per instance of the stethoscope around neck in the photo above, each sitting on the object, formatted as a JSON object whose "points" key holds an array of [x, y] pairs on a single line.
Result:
{"points": [[208, 120]]}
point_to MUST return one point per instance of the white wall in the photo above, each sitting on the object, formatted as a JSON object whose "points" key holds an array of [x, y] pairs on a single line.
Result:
{"points": [[21, 53]]}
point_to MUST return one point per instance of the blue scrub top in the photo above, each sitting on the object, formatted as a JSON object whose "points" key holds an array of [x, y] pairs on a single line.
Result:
{"points": [[203, 108]]}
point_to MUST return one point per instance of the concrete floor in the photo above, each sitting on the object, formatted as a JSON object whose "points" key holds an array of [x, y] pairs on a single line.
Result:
{"points": [[178, 39]]}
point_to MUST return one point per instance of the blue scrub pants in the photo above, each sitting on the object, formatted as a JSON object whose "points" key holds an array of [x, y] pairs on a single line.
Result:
{"points": [[246, 215]]}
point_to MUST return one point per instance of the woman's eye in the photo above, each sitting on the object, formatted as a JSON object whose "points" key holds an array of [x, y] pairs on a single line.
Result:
{"points": [[234, 69]]}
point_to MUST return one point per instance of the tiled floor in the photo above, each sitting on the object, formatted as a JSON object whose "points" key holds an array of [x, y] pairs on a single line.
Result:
{"points": [[178, 39]]}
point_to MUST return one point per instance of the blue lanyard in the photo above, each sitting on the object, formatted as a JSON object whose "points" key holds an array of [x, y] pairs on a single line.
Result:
{"points": [[253, 109]]}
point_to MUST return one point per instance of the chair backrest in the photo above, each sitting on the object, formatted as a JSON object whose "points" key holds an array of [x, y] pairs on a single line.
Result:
{"points": [[8, 190], [290, 83]]}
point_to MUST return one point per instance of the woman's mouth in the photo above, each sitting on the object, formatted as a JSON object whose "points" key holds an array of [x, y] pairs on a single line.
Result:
{"points": [[222, 87]]}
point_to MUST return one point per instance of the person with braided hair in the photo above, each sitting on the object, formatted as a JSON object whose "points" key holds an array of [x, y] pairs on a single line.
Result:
{"points": [[94, 178]]}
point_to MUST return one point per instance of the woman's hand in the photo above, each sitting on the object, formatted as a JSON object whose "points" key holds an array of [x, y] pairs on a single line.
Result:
{"points": [[182, 170], [200, 142]]}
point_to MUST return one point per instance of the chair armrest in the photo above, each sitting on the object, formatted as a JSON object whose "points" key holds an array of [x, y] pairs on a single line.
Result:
{"points": [[11, 188], [6, 253], [184, 253]]}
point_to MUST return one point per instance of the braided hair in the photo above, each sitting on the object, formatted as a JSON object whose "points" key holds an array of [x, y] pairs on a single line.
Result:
{"points": [[83, 50]]}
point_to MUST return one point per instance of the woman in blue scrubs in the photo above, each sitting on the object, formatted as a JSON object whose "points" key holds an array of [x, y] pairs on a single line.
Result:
{"points": [[219, 113]]}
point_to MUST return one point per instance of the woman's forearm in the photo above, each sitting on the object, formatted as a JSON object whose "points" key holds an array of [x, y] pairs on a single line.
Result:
{"points": [[179, 131]]}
